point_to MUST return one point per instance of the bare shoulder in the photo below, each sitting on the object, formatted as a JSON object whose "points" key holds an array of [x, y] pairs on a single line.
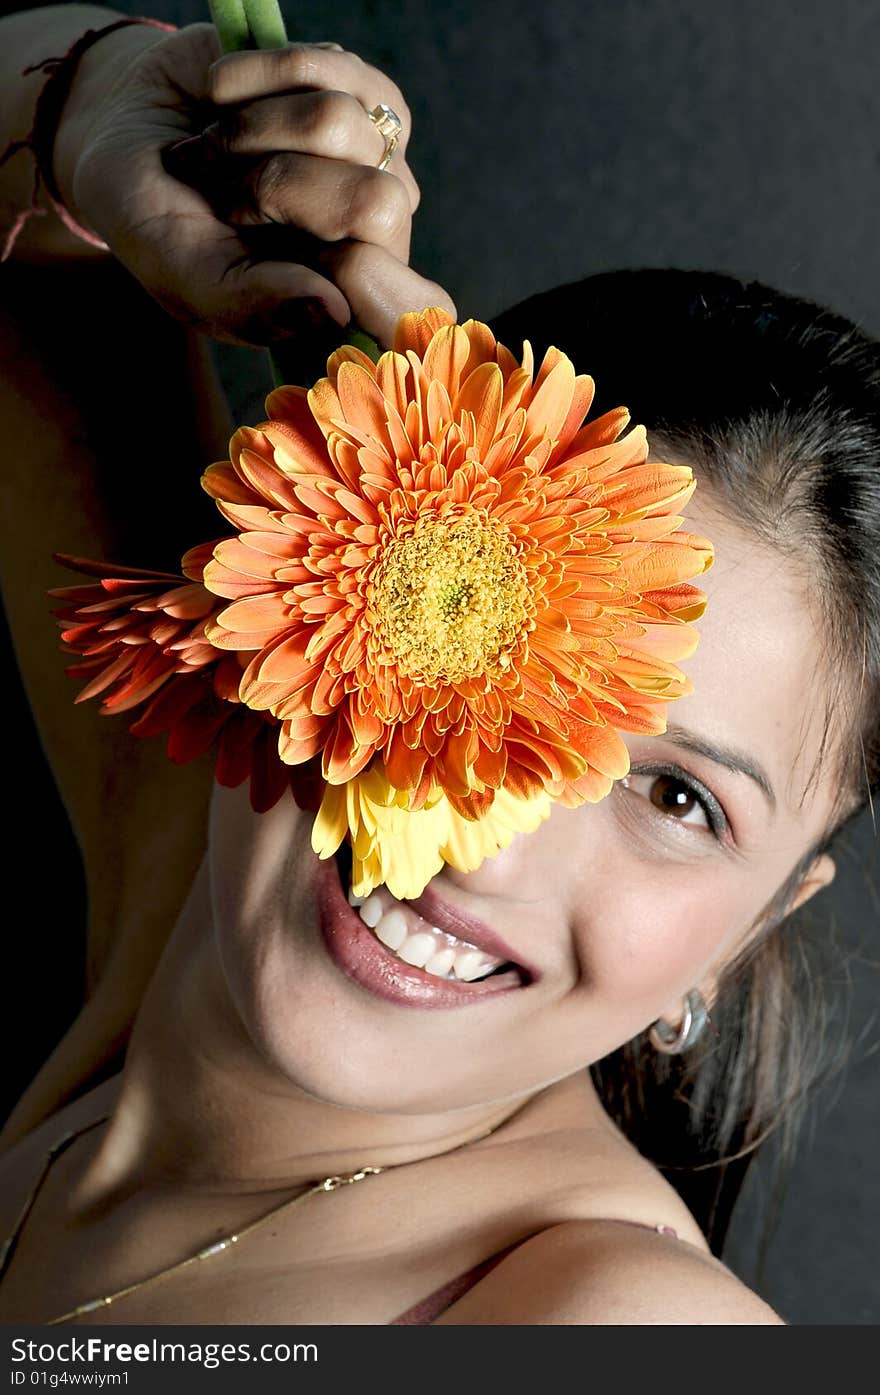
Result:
{"points": [[605, 1272], [602, 1175], [22, 1161]]}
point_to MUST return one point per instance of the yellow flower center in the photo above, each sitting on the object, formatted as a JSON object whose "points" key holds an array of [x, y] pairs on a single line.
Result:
{"points": [[451, 599]]}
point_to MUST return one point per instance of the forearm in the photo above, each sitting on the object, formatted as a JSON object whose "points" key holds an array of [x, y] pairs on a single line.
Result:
{"points": [[28, 38], [107, 406]]}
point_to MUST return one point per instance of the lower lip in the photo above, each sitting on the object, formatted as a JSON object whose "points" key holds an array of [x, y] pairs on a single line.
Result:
{"points": [[361, 957]]}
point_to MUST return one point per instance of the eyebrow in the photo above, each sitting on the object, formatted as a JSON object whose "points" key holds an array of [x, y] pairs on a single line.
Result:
{"points": [[723, 755]]}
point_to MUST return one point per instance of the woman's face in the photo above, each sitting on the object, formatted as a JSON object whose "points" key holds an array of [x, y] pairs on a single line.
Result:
{"points": [[620, 907]]}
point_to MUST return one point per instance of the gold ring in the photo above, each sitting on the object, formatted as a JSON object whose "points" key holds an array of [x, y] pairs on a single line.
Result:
{"points": [[389, 126]]}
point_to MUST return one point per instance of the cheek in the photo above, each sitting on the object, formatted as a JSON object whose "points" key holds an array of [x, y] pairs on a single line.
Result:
{"points": [[659, 931], [251, 858], [249, 853]]}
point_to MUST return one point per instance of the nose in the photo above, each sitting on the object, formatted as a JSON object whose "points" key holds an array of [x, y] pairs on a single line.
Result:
{"points": [[551, 867]]}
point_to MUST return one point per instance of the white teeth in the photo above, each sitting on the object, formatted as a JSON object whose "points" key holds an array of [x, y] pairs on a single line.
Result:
{"points": [[371, 911], [392, 929], [470, 963], [436, 951], [417, 949], [441, 963]]}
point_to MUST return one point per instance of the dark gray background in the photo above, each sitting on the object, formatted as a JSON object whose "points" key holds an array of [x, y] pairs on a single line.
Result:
{"points": [[554, 140]]}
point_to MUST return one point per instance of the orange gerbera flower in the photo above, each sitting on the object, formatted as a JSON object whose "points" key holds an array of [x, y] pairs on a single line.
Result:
{"points": [[136, 631], [446, 583]]}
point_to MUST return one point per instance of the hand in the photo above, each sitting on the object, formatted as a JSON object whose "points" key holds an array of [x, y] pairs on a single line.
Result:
{"points": [[283, 211]]}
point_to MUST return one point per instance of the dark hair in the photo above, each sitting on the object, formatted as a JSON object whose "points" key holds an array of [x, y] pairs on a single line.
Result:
{"points": [[775, 403]]}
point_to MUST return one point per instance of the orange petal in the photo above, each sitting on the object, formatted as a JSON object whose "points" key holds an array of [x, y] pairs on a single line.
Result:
{"points": [[288, 403], [285, 662], [482, 345], [416, 329], [491, 766], [232, 585], [592, 786], [604, 748], [392, 371], [222, 481], [361, 398], [366, 726], [343, 758], [439, 417], [187, 602], [255, 613], [324, 405], [672, 642], [298, 452], [481, 393], [581, 401], [264, 477], [403, 766], [473, 805], [648, 487], [349, 353], [650, 676], [196, 559], [445, 357], [237, 556], [658, 565], [684, 602], [294, 750]]}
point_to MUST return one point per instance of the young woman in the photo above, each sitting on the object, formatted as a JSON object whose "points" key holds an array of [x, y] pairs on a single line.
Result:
{"points": [[280, 1041]]}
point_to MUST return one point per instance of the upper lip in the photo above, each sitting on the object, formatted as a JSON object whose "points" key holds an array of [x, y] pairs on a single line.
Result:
{"points": [[465, 927]]}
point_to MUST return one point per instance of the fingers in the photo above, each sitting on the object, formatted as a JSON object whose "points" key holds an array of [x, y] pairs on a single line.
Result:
{"points": [[330, 200], [310, 226], [379, 288], [271, 302], [210, 280], [242, 77], [334, 125], [220, 291], [202, 272], [313, 99]]}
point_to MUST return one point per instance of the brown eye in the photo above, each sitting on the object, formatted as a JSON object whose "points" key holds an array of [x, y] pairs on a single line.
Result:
{"points": [[672, 796], [681, 797]]}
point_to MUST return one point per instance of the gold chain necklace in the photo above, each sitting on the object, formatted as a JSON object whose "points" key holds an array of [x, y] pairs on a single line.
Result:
{"points": [[327, 1184]]}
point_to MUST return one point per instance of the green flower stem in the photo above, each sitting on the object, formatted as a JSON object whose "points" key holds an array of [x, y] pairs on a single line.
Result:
{"points": [[361, 340], [266, 23], [243, 24], [231, 24], [303, 360]]}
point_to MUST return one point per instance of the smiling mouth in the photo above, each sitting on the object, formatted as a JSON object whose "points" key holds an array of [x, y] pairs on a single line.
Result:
{"points": [[410, 938]]}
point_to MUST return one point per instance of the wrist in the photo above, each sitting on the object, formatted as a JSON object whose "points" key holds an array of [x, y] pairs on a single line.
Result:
{"points": [[98, 71]]}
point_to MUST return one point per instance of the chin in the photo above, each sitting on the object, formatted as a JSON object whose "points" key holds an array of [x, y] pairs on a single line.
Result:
{"points": [[325, 1004]]}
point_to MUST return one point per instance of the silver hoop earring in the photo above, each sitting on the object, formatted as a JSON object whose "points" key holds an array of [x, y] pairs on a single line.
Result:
{"points": [[670, 1040]]}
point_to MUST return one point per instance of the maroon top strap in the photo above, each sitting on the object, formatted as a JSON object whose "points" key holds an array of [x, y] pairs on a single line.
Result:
{"points": [[423, 1313]]}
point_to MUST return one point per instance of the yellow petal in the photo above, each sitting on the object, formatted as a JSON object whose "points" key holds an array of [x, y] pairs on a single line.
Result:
{"points": [[331, 821]]}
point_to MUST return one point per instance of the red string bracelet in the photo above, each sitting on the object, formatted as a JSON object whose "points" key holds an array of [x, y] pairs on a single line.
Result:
{"points": [[40, 139]]}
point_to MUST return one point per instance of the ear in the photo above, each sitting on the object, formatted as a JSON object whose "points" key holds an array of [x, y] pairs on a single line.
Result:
{"points": [[821, 873]]}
